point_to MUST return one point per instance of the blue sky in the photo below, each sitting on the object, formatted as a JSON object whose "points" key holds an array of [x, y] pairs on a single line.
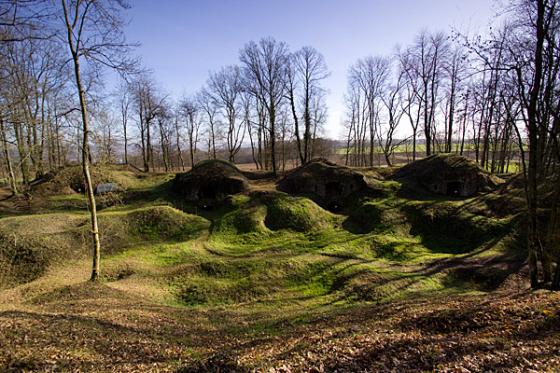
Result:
{"points": [[182, 40]]}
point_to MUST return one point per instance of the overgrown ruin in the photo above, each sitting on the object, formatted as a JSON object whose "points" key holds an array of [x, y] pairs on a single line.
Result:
{"points": [[210, 182], [448, 174], [324, 182]]}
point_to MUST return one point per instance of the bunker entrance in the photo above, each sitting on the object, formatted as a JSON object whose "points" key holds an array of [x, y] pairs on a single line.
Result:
{"points": [[333, 190], [454, 188], [208, 192], [333, 193]]}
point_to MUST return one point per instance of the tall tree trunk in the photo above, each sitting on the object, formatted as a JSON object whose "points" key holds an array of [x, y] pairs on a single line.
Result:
{"points": [[125, 142], [85, 150], [534, 243], [451, 118], [148, 161], [427, 127], [11, 175], [178, 145], [307, 122], [296, 127], [272, 118], [87, 176], [23, 155]]}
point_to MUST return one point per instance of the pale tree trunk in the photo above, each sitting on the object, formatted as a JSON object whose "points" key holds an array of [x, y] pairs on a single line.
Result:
{"points": [[87, 175], [272, 114], [85, 149], [125, 142], [11, 175], [178, 145]]}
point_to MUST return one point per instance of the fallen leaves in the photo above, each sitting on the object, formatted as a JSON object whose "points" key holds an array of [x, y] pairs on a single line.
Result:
{"points": [[497, 331]]}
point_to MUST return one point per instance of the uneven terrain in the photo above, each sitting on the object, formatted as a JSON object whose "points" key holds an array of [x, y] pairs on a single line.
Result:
{"points": [[398, 280]]}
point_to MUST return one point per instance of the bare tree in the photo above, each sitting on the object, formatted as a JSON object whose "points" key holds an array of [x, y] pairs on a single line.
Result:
{"points": [[190, 112], [225, 89], [427, 58], [124, 102], [369, 77], [148, 103], [306, 70], [412, 101], [265, 77], [7, 156], [177, 128], [94, 35], [206, 103], [455, 69], [391, 99]]}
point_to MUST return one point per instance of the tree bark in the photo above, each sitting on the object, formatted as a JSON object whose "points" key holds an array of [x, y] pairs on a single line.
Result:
{"points": [[11, 175], [85, 149]]}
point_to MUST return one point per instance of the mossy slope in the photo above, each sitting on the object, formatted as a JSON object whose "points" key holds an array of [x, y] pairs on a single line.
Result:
{"points": [[267, 247], [29, 245]]}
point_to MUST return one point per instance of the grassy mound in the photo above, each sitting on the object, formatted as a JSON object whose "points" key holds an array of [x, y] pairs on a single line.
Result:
{"points": [[210, 182], [448, 227], [70, 179], [247, 219], [295, 213], [162, 223], [265, 212], [368, 216], [325, 183], [29, 245], [446, 174]]}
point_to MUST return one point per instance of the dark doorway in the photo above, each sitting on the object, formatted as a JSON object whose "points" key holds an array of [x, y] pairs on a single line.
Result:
{"points": [[208, 191], [454, 188], [333, 190], [334, 206]]}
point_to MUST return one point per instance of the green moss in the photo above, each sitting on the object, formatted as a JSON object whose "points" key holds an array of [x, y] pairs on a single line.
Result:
{"points": [[165, 223], [295, 213], [364, 218], [29, 245], [276, 253], [246, 219], [449, 228]]}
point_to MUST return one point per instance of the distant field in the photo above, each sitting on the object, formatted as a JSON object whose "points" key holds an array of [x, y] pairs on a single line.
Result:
{"points": [[407, 148]]}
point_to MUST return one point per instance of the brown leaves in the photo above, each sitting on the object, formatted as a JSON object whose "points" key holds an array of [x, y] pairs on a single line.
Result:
{"points": [[499, 331]]}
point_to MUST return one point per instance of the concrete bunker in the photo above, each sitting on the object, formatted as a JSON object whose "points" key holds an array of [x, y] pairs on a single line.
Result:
{"points": [[448, 174], [210, 182], [326, 183]]}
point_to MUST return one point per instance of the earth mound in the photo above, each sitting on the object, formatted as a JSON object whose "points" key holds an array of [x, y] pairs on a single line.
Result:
{"points": [[29, 245], [265, 211], [210, 182], [326, 183], [70, 179], [448, 174]]}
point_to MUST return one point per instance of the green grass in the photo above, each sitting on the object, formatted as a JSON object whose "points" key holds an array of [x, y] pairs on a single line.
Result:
{"points": [[275, 251], [254, 277], [250, 259], [29, 245]]}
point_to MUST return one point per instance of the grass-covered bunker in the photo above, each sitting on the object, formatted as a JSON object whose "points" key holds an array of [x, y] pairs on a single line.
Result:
{"points": [[450, 174], [210, 182], [326, 183]]}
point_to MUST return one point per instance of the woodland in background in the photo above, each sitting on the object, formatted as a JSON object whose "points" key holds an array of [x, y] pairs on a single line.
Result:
{"points": [[494, 99]]}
